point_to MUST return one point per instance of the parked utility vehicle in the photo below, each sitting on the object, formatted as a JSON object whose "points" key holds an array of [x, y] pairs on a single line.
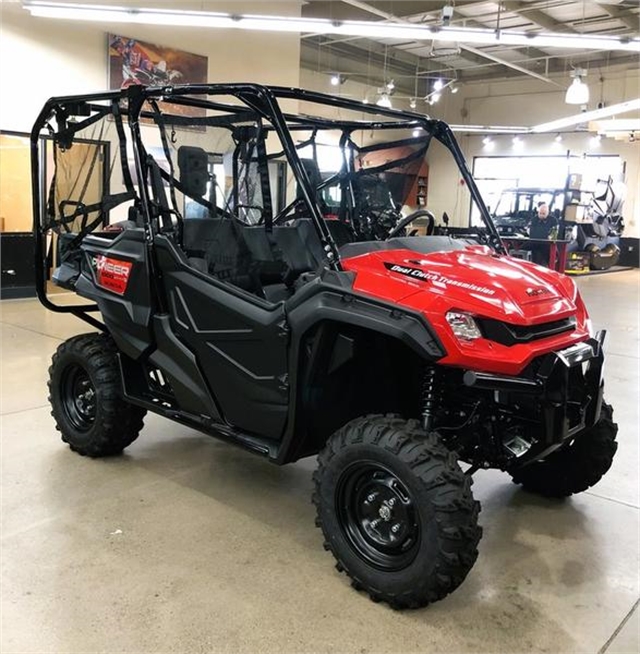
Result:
{"points": [[226, 300]]}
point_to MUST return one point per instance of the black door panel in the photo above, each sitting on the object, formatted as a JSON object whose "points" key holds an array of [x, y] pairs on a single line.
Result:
{"points": [[240, 344]]}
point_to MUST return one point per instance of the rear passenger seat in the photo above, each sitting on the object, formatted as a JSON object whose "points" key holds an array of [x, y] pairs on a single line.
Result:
{"points": [[246, 256]]}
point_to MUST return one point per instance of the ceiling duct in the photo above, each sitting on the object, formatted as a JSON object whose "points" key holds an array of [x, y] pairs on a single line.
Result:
{"points": [[442, 50]]}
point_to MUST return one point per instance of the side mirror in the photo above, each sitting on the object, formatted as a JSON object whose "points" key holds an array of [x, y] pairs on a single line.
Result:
{"points": [[194, 173]]}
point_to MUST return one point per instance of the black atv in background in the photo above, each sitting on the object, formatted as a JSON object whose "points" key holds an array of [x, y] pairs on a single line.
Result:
{"points": [[225, 299], [517, 207], [597, 234]]}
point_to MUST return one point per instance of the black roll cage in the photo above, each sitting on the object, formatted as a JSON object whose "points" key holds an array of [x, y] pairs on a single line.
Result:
{"points": [[261, 99]]}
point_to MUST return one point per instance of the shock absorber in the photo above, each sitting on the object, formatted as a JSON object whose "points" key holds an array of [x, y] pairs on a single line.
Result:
{"points": [[429, 397]]}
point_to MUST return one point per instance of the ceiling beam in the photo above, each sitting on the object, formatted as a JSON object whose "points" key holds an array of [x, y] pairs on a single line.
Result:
{"points": [[371, 64], [529, 52], [536, 16], [526, 71], [632, 21], [555, 66], [364, 65], [388, 16], [421, 66], [372, 10], [364, 58]]}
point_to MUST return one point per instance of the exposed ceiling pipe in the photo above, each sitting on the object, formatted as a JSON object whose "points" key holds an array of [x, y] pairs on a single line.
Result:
{"points": [[486, 55], [373, 10]]}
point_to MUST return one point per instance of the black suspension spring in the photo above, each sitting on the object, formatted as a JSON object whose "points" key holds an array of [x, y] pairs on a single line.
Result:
{"points": [[429, 397]]}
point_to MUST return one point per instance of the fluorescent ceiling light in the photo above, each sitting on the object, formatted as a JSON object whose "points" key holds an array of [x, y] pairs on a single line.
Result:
{"points": [[114, 14], [489, 129], [586, 116], [617, 125], [371, 29], [624, 125]]}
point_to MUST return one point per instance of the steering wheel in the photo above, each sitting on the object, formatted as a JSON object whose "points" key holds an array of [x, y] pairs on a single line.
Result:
{"points": [[407, 220]]}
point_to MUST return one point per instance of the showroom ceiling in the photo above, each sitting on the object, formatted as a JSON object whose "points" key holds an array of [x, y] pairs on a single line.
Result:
{"points": [[375, 61]]}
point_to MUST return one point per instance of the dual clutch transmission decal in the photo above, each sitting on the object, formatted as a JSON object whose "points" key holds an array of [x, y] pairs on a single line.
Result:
{"points": [[436, 278], [112, 274]]}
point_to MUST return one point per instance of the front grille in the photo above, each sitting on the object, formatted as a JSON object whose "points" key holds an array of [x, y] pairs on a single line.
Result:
{"points": [[505, 334]]}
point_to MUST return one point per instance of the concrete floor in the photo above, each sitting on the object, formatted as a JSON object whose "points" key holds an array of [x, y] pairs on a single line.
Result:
{"points": [[186, 544]]}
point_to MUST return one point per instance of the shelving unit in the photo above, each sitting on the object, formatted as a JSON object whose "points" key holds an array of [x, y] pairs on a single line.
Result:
{"points": [[577, 199], [418, 191]]}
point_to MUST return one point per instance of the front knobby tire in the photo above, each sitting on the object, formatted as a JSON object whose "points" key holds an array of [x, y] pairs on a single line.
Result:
{"points": [[576, 467], [86, 398], [396, 511]]}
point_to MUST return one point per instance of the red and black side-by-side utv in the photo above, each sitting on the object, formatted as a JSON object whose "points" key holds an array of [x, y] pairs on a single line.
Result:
{"points": [[241, 285]]}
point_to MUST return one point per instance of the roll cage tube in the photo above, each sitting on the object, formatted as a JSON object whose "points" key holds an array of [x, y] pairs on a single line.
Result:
{"points": [[54, 107], [137, 97], [439, 129], [275, 115], [261, 99], [443, 133]]}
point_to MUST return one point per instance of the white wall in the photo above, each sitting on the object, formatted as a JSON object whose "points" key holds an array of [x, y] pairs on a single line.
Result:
{"points": [[41, 57]]}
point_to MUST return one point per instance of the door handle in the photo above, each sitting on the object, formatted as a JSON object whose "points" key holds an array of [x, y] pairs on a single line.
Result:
{"points": [[9, 272]]}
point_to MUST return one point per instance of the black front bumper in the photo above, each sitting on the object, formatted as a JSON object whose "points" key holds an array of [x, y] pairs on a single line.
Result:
{"points": [[567, 386]]}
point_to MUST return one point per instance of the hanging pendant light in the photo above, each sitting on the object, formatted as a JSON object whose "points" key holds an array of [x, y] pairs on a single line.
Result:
{"points": [[578, 92], [384, 101]]}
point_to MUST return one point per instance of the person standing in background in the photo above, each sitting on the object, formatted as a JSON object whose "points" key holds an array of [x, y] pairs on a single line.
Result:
{"points": [[543, 226]]}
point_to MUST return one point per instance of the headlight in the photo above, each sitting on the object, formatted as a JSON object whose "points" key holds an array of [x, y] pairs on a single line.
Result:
{"points": [[463, 325]]}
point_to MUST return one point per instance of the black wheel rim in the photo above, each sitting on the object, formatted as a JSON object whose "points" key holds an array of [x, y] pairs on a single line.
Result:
{"points": [[378, 515], [78, 397]]}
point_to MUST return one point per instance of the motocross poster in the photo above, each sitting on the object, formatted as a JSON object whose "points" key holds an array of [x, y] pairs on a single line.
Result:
{"points": [[138, 62]]}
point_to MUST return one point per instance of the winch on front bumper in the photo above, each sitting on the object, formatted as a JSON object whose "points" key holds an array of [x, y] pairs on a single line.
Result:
{"points": [[566, 387]]}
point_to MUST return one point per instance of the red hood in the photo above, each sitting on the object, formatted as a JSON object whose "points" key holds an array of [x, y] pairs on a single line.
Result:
{"points": [[474, 280], [479, 282]]}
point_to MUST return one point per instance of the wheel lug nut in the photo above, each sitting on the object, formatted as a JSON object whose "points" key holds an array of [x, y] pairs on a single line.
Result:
{"points": [[374, 523], [392, 501], [396, 528], [371, 497]]}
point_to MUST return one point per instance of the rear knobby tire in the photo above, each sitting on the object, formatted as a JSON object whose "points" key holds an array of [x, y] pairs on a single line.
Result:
{"points": [[396, 511], [577, 466], [85, 393]]}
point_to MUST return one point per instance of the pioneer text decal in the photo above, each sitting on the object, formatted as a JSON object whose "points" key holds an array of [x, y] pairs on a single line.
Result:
{"points": [[436, 278], [112, 274]]}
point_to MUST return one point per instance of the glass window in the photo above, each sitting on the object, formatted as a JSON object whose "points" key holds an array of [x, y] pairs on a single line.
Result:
{"points": [[16, 213], [516, 184]]}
